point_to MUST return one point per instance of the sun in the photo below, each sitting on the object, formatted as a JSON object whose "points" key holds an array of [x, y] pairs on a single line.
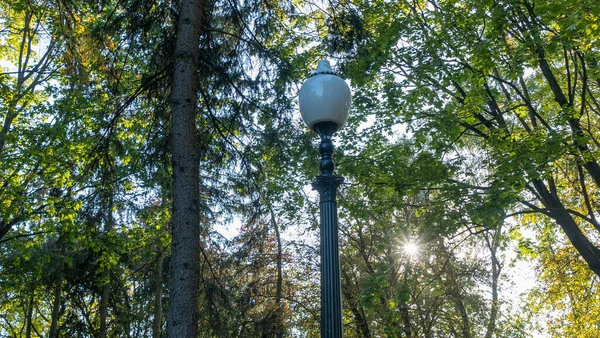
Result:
{"points": [[411, 249]]}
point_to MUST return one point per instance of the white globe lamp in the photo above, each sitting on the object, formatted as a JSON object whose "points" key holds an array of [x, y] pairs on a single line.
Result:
{"points": [[324, 97]]}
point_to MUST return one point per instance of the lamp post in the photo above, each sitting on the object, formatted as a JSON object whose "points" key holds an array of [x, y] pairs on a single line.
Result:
{"points": [[324, 103]]}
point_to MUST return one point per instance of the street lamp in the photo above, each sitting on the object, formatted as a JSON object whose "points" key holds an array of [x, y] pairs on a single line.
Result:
{"points": [[324, 103]]}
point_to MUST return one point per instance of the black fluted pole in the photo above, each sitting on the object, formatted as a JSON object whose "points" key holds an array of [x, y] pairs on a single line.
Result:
{"points": [[326, 184]]}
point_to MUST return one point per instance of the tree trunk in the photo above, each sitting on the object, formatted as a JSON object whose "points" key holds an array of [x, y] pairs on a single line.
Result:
{"points": [[279, 291], [182, 318], [496, 269], [29, 314], [106, 273], [157, 297], [58, 290], [406, 326], [104, 306]]}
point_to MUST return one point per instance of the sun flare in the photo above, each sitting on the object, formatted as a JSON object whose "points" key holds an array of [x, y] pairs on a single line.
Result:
{"points": [[411, 249]]}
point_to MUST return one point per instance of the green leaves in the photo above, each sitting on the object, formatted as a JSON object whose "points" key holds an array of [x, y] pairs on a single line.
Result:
{"points": [[454, 128], [479, 86]]}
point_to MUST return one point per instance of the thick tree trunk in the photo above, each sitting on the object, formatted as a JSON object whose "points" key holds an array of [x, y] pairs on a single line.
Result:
{"points": [[156, 327], [182, 318]]}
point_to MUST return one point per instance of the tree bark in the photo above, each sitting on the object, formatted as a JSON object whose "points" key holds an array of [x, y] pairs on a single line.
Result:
{"points": [[182, 319]]}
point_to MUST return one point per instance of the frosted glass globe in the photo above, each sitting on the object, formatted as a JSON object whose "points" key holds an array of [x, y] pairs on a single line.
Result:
{"points": [[324, 97]]}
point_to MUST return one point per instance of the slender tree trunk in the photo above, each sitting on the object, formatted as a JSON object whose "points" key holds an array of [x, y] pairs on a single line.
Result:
{"points": [[29, 323], [406, 326], [106, 273], [58, 290], [157, 297], [104, 306], [496, 269], [491, 326], [279, 292], [182, 320]]}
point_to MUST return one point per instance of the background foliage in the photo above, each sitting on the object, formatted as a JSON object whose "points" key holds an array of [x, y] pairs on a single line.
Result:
{"points": [[473, 134]]}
